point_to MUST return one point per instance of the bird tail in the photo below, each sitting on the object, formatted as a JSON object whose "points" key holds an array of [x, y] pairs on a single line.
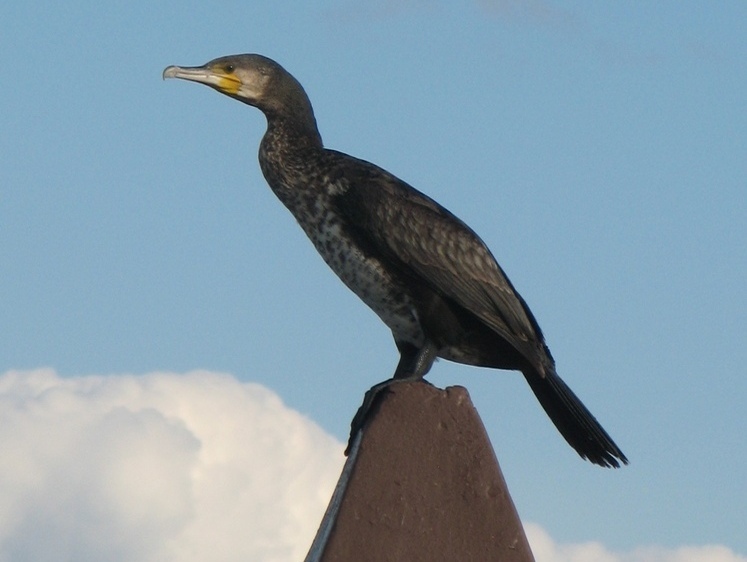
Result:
{"points": [[574, 421]]}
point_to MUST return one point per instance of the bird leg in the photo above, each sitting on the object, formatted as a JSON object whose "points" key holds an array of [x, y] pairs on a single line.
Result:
{"points": [[413, 364]]}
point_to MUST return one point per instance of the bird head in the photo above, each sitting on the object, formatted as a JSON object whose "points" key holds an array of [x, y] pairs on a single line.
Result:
{"points": [[247, 78], [257, 81]]}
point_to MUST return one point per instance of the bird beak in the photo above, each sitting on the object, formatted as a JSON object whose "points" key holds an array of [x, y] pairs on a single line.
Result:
{"points": [[215, 78]]}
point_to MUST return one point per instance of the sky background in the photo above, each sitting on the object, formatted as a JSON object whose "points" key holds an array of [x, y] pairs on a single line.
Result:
{"points": [[600, 151]]}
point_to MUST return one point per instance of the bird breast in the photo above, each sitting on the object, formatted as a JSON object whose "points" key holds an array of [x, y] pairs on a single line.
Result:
{"points": [[298, 181], [363, 274]]}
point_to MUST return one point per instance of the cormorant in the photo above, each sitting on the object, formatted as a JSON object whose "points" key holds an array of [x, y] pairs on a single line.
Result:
{"points": [[423, 271]]}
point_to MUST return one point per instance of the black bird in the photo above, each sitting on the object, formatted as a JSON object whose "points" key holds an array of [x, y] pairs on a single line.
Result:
{"points": [[426, 274]]}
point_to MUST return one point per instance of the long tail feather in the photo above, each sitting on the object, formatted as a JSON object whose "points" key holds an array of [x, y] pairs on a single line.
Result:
{"points": [[574, 421]]}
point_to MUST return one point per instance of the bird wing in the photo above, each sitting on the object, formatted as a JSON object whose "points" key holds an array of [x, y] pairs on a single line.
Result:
{"points": [[432, 244]]}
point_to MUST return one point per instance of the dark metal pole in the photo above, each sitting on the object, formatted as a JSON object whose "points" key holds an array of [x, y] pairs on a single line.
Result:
{"points": [[422, 483]]}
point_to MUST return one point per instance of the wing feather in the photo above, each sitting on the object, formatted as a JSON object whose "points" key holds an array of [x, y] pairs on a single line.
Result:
{"points": [[432, 244]]}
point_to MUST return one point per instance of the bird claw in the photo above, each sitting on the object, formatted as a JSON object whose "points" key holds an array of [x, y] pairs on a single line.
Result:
{"points": [[366, 410]]}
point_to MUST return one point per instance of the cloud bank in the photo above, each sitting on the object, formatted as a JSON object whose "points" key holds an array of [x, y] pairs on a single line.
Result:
{"points": [[545, 549], [182, 467], [159, 467]]}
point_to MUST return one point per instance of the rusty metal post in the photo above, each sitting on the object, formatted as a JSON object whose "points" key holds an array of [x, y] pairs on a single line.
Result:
{"points": [[422, 483]]}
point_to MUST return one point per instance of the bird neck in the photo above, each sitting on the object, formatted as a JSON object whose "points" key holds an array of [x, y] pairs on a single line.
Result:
{"points": [[293, 131], [287, 154]]}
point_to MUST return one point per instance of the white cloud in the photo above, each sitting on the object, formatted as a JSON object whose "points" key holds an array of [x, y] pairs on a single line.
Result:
{"points": [[183, 467], [547, 550], [157, 467]]}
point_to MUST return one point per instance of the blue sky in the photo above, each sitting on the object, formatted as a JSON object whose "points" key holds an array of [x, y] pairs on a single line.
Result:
{"points": [[600, 150]]}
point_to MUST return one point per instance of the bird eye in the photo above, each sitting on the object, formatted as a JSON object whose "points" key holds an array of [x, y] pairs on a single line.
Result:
{"points": [[230, 68]]}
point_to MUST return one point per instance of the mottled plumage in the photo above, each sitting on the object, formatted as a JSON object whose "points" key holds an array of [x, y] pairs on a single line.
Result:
{"points": [[424, 272]]}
